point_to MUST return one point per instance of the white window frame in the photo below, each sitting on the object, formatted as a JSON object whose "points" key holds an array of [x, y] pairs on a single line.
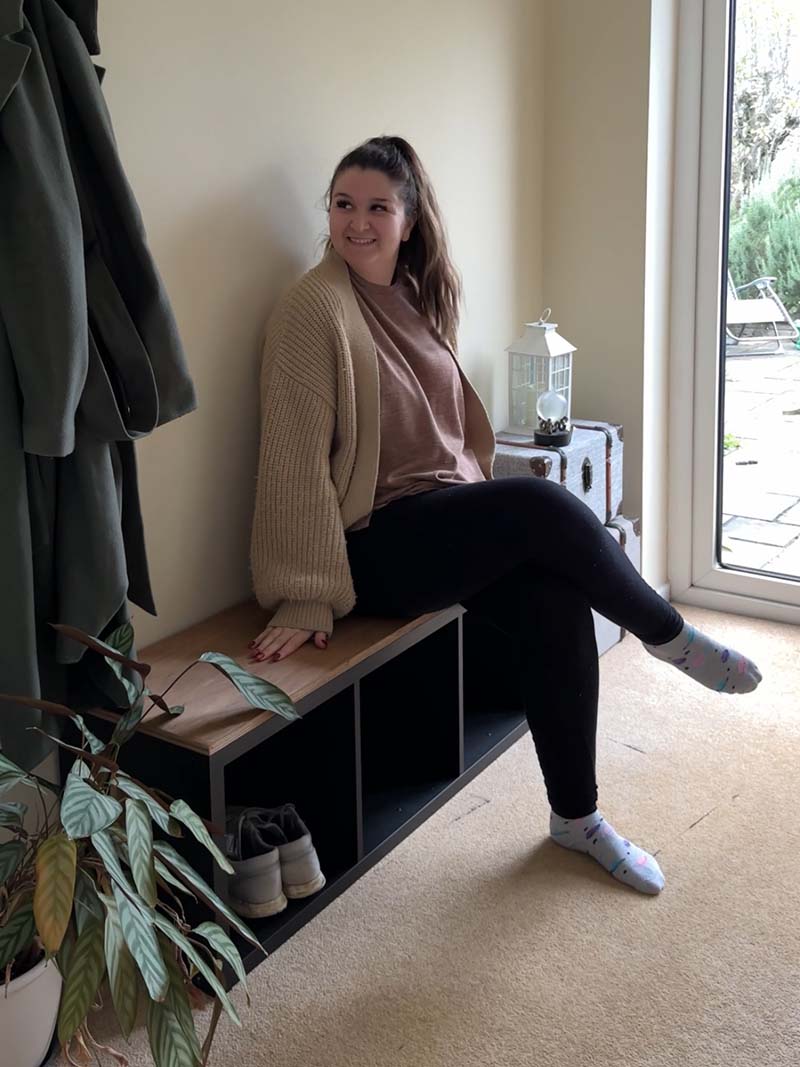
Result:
{"points": [[695, 577]]}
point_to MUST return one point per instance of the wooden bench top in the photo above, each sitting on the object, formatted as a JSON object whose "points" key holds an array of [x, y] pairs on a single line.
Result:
{"points": [[216, 713]]}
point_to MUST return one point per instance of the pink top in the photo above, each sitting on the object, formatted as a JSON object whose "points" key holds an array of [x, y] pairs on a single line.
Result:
{"points": [[422, 400]]}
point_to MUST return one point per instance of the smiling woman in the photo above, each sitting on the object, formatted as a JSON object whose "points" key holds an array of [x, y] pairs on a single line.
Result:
{"points": [[385, 221], [375, 493], [380, 312], [368, 223]]}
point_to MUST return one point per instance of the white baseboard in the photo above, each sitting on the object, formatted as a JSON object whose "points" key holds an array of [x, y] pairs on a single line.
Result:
{"points": [[734, 604]]}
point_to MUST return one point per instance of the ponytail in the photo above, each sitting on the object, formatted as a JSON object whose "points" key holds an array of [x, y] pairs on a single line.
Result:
{"points": [[424, 258]]}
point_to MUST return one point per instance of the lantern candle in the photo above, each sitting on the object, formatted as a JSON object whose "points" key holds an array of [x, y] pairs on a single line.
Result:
{"points": [[540, 363]]}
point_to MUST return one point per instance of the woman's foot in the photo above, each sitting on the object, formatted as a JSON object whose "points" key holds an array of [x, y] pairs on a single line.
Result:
{"points": [[709, 662], [625, 861]]}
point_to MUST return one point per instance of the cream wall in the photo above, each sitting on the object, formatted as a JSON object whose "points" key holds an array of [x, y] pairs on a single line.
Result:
{"points": [[229, 120], [600, 230]]}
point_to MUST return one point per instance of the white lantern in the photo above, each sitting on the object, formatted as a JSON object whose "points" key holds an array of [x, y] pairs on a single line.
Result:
{"points": [[540, 383]]}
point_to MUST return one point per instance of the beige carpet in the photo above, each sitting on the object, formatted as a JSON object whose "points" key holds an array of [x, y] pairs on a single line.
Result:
{"points": [[479, 942]]}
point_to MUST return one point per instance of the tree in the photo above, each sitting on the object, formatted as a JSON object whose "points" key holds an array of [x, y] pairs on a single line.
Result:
{"points": [[766, 92], [765, 242]]}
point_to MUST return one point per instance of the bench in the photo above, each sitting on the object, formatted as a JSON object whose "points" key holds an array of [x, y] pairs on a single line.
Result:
{"points": [[397, 715]]}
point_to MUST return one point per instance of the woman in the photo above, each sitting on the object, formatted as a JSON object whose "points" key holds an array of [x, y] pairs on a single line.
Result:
{"points": [[375, 492]]}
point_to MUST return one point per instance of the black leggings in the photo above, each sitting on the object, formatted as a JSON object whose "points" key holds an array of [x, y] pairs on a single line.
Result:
{"points": [[531, 559]]}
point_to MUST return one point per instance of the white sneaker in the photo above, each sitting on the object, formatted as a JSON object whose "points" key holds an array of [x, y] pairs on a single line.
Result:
{"points": [[252, 844], [300, 870]]}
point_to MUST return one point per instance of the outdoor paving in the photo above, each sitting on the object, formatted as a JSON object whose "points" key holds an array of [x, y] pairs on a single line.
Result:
{"points": [[761, 478]]}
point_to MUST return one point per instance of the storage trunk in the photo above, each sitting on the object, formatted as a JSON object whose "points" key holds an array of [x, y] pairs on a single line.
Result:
{"points": [[614, 448], [628, 535], [590, 466]]}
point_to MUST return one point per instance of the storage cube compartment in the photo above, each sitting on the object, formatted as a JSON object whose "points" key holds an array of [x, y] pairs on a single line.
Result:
{"points": [[312, 764], [409, 732], [493, 699]]}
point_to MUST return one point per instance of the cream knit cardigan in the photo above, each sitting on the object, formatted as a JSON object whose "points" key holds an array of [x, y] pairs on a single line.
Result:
{"points": [[320, 445]]}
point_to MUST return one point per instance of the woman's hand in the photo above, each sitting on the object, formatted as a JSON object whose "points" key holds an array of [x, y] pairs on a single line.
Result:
{"points": [[277, 642]]}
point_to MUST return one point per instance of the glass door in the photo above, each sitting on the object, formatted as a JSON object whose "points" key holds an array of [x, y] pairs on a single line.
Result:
{"points": [[735, 377], [758, 518]]}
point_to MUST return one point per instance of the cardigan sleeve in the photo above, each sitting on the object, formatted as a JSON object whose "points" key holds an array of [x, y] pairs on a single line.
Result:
{"points": [[299, 562]]}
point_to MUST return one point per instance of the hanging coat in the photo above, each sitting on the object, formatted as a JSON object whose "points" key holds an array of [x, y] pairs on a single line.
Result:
{"points": [[90, 361]]}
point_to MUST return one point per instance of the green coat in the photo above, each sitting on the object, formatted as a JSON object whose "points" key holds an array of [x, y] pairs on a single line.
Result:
{"points": [[90, 361]]}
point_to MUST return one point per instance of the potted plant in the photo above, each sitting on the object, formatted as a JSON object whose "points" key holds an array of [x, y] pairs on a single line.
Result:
{"points": [[94, 891]]}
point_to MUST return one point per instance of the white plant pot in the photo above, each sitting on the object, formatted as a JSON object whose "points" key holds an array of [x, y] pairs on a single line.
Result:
{"points": [[28, 1013]]}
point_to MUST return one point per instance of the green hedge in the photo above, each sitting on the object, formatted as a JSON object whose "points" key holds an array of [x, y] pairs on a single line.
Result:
{"points": [[765, 242]]}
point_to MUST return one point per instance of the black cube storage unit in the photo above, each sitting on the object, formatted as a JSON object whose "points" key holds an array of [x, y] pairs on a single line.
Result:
{"points": [[376, 752]]}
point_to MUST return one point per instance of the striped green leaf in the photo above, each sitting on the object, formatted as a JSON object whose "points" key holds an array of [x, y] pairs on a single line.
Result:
{"points": [[126, 727], [137, 929], [121, 639], [16, 935], [11, 775], [140, 849], [95, 744], [64, 954], [12, 813], [104, 844], [258, 692], [181, 810], [87, 905], [133, 690], [168, 1043], [10, 855], [55, 889], [161, 871], [177, 998], [86, 968], [80, 769], [164, 872], [158, 814], [84, 811], [122, 977], [191, 952], [223, 945], [102, 647], [177, 862]]}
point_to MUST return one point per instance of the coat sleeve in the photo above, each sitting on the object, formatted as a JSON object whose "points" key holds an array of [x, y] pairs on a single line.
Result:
{"points": [[299, 561], [42, 273]]}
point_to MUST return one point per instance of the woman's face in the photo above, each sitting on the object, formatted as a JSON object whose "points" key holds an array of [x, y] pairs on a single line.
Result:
{"points": [[368, 223]]}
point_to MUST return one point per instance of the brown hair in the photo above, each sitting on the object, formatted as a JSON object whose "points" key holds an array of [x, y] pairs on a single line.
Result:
{"points": [[424, 258]]}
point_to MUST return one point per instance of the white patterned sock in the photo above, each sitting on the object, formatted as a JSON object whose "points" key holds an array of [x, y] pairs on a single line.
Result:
{"points": [[709, 662], [621, 858]]}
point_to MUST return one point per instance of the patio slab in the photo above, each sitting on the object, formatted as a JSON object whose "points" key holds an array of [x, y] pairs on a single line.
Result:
{"points": [[792, 515], [763, 533], [766, 477], [787, 561], [742, 368], [743, 404], [747, 553], [752, 504], [761, 478], [761, 385]]}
